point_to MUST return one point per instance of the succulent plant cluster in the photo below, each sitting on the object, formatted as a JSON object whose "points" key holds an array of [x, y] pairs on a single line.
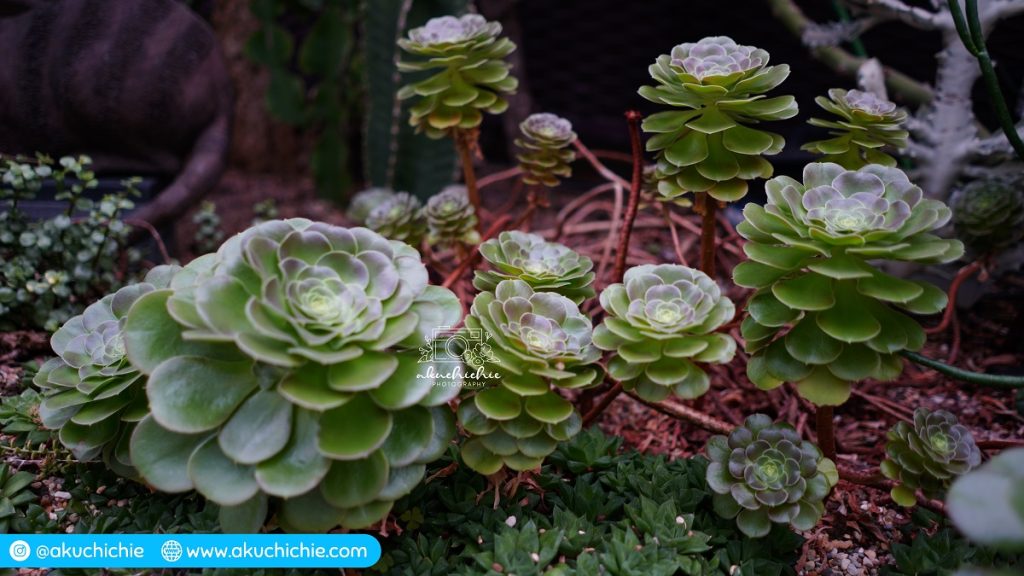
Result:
{"points": [[282, 367], [660, 323], [543, 156], [399, 217], [91, 392], [989, 214], [764, 473], [536, 343], [470, 75], [928, 454], [545, 266], [451, 218], [867, 126], [811, 250], [708, 145]]}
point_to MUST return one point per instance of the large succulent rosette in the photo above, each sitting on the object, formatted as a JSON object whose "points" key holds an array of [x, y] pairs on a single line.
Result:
{"points": [[927, 455], [545, 266], [399, 217], [324, 409], [543, 156], [91, 392], [824, 315], [451, 219], [866, 127], [660, 323], [988, 215], [764, 473], [469, 74], [987, 504], [709, 145], [530, 345]]}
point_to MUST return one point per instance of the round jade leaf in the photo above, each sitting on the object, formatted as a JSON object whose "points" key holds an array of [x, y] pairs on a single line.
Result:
{"points": [[355, 482], [411, 433], [823, 388], [479, 458], [299, 467], [354, 430], [85, 441], [549, 408], [498, 403], [401, 481], [522, 426], [807, 292], [808, 344], [219, 479], [521, 462], [308, 513], [259, 429], [245, 518], [366, 372], [406, 386], [538, 446], [161, 456], [365, 516], [473, 420], [190, 394], [444, 432], [566, 429]]}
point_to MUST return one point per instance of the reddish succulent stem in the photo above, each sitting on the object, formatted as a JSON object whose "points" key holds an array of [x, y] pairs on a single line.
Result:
{"points": [[707, 233], [475, 252], [633, 118], [826, 432], [954, 287], [465, 143]]}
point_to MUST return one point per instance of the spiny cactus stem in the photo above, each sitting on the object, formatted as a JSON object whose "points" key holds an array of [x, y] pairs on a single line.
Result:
{"points": [[465, 143], [633, 118], [707, 205], [954, 287], [826, 432]]}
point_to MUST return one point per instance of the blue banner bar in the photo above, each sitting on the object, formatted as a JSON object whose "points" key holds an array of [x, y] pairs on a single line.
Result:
{"points": [[188, 550]]}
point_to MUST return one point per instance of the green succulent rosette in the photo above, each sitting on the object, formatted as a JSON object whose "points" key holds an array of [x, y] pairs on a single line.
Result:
{"points": [[545, 266], [322, 407], [988, 215], [468, 74], [927, 455], [451, 219], [660, 323], [365, 201], [764, 473], [535, 343], [867, 126], [399, 217], [91, 392], [986, 504], [709, 145], [813, 250], [543, 156]]}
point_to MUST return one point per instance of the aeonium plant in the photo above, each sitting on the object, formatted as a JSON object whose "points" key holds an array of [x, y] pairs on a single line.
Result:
{"points": [[661, 323], [545, 266], [324, 408], [824, 315], [866, 127], [527, 345], [92, 394]]}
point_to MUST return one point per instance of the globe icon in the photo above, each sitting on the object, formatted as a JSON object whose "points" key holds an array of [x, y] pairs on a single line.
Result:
{"points": [[171, 551]]}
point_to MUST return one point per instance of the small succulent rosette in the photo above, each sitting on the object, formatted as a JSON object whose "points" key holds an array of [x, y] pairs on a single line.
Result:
{"points": [[544, 157], [545, 266], [399, 217], [469, 75], [927, 455], [660, 323], [365, 201], [764, 473], [708, 145], [536, 343], [321, 406], [813, 250], [451, 219], [867, 126], [91, 392], [988, 215]]}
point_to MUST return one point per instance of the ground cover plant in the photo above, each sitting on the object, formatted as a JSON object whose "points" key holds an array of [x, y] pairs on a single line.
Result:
{"points": [[438, 370]]}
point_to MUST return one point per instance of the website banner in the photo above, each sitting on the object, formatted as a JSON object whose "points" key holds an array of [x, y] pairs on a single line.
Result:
{"points": [[188, 551]]}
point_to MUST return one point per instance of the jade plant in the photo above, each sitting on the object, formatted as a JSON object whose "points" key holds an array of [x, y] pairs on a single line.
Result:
{"points": [[543, 156], [867, 127], [399, 217], [708, 145], [764, 473], [660, 323], [451, 218], [92, 394], [545, 266], [927, 455], [283, 370], [823, 314], [987, 504], [988, 215], [537, 343], [365, 201], [469, 74]]}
